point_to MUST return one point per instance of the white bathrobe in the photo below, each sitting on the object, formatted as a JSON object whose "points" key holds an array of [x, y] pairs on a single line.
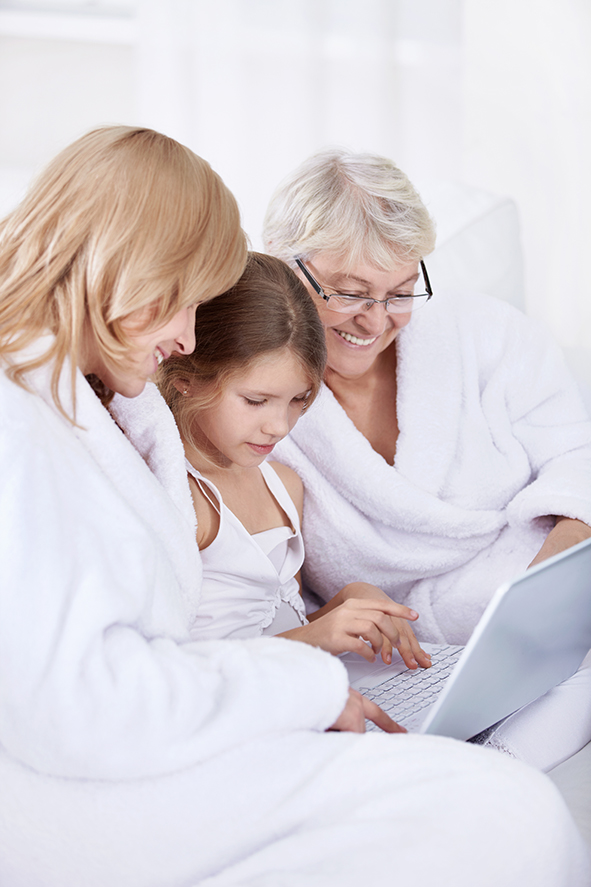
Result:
{"points": [[493, 438], [131, 757]]}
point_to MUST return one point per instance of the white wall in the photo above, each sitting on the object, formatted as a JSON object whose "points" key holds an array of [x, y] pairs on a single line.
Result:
{"points": [[527, 131], [492, 92]]}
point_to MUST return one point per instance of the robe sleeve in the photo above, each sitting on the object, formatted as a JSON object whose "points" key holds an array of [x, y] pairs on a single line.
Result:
{"points": [[550, 422], [98, 678]]}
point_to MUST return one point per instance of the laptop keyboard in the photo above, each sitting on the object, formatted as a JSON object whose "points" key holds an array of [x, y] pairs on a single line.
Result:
{"points": [[403, 696]]}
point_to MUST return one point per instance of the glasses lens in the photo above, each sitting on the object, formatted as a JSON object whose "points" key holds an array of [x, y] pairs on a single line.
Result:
{"points": [[417, 299], [405, 306], [346, 304], [401, 304]]}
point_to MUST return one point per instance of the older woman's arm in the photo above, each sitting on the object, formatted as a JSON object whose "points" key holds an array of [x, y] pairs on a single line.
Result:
{"points": [[566, 533]]}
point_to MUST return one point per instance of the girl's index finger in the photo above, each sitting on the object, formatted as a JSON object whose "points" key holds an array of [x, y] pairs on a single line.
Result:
{"points": [[391, 608]]}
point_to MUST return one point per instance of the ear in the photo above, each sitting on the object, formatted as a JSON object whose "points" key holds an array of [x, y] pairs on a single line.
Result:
{"points": [[182, 385]]}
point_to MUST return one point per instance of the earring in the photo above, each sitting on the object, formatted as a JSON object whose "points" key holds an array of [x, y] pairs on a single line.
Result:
{"points": [[185, 391]]}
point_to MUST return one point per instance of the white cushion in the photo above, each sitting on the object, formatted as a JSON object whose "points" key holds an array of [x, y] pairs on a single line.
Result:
{"points": [[478, 242]]}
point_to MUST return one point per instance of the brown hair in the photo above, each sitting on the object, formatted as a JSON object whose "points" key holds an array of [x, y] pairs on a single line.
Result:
{"points": [[123, 219], [267, 310]]}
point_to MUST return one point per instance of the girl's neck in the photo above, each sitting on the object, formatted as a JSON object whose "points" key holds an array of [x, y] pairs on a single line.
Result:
{"points": [[226, 474]]}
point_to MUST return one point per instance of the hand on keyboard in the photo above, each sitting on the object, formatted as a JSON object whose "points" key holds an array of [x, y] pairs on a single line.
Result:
{"points": [[407, 645], [359, 709], [347, 626], [406, 695]]}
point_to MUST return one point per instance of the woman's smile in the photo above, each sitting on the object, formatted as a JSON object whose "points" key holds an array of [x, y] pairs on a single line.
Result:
{"points": [[354, 341]]}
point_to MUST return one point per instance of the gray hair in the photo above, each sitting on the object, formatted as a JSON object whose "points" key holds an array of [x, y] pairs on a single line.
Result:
{"points": [[360, 207]]}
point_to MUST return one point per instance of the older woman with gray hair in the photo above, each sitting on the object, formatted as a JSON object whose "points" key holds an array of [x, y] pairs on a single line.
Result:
{"points": [[449, 448]]}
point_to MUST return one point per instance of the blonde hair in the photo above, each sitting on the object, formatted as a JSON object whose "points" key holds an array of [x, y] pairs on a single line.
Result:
{"points": [[123, 219], [266, 311], [360, 207]]}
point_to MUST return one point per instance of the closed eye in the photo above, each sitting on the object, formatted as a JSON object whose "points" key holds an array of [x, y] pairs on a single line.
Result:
{"points": [[254, 403]]}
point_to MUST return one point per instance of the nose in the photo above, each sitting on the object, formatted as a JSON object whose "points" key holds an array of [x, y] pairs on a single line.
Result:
{"points": [[276, 423], [374, 319], [185, 341]]}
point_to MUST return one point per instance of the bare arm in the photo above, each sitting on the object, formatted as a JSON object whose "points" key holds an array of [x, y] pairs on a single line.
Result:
{"points": [[336, 634], [566, 533]]}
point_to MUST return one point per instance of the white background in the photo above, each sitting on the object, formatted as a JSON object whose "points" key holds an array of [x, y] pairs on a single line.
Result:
{"points": [[493, 93]]}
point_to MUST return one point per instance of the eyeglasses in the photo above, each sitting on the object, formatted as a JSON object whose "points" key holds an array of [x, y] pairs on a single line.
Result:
{"points": [[346, 304]]}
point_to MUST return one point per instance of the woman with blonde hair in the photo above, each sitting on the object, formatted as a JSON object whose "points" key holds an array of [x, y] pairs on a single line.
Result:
{"points": [[129, 756]]}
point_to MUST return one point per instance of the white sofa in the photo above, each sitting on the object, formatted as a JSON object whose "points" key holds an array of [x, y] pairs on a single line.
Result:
{"points": [[479, 249]]}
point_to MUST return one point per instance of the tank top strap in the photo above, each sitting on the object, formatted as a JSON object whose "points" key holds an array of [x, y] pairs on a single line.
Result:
{"points": [[209, 490], [280, 494]]}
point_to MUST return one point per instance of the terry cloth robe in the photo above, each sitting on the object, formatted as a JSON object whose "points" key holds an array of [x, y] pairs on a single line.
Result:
{"points": [[131, 757], [493, 439]]}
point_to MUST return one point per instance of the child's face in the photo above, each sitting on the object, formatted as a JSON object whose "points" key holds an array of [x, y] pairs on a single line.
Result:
{"points": [[256, 410]]}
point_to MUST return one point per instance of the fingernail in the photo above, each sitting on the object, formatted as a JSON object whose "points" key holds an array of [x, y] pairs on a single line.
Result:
{"points": [[413, 613]]}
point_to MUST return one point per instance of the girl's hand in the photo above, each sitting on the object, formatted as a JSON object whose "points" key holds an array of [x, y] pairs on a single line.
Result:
{"points": [[358, 625], [357, 709], [409, 648]]}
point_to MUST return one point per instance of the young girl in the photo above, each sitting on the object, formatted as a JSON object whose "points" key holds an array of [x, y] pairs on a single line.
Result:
{"points": [[257, 365]]}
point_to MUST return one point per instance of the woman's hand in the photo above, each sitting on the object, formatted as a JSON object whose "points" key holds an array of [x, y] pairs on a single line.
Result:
{"points": [[363, 626], [357, 709]]}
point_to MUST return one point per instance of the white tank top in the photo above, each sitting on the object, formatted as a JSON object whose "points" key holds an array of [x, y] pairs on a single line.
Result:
{"points": [[249, 585]]}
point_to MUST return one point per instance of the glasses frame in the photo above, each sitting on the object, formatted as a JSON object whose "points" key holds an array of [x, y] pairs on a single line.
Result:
{"points": [[368, 301]]}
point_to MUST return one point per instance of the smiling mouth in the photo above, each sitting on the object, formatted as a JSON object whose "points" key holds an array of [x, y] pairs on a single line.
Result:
{"points": [[355, 340]]}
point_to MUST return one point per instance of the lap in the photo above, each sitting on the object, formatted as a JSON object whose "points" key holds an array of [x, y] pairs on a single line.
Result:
{"points": [[301, 809], [552, 728]]}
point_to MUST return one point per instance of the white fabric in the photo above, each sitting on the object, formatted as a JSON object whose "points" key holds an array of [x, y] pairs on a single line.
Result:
{"points": [[573, 778], [242, 587], [286, 618], [493, 437], [297, 810], [551, 729], [92, 556], [131, 757]]}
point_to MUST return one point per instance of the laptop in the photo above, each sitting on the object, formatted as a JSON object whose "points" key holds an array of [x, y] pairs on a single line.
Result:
{"points": [[533, 635]]}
